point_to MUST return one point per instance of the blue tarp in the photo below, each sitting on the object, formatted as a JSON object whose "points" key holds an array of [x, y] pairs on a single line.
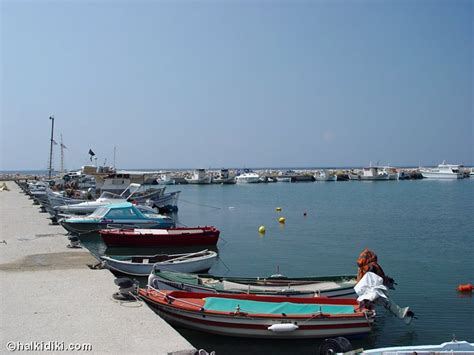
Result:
{"points": [[230, 305]]}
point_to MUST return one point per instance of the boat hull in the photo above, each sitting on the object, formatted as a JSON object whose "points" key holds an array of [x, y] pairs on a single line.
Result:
{"points": [[197, 264], [187, 236], [160, 281], [437, 175], [82, 228], [246, 325]]}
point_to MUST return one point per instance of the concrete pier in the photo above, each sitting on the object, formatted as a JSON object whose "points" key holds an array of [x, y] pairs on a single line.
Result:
{"points": [[48, 294]]}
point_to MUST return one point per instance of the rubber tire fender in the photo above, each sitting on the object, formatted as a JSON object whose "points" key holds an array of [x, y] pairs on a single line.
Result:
{"points": [[334, 345]]}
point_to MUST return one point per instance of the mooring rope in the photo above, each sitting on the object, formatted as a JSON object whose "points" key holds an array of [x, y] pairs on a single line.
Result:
{"points": [[199, 204]]}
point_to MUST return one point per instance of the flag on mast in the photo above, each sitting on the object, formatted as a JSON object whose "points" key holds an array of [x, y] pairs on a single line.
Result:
{"points": [[91, 153]]}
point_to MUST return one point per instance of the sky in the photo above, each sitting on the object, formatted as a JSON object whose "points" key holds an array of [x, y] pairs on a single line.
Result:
{"points": [[187, 84]]}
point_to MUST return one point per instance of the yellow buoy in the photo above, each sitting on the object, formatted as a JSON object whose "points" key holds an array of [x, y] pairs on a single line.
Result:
{"points": [[278, 209], [261, 229], [282, 220]]}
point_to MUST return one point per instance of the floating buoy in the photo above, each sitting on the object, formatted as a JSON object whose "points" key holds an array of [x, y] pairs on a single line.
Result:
{"points": [[282, 220], [278, 209], [261, 229], [465, 288], [304, 214]]}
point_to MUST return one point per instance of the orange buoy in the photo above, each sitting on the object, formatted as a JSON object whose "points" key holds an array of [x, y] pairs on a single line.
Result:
{"points": [[465, 288]]}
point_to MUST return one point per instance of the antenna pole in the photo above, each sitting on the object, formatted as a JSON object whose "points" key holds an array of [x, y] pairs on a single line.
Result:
{"points": [[51, 147]]}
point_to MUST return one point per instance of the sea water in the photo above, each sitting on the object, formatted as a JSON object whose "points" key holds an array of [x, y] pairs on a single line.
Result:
{"points": [[422, 232]]}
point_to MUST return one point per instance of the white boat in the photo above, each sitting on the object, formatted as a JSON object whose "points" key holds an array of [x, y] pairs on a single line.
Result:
{"points": [[283, 179], [248, 178], [144, 265], [392, 172], [341, 345], [451, 347], [199, 177], [165, 179], [443, 171], [371, 173], [325, 175], [224, 177], [132, 193]]}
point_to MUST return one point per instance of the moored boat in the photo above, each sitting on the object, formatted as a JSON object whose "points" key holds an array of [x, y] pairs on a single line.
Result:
{"points": [[248, 178], [277, 285], [443, 171], [325, 175], [143, 265], [261, 316], [160, 237], [121, 215], [372, 173], [199, 177]]}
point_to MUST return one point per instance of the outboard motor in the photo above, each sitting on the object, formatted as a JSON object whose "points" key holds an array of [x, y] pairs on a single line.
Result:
{"points": [[128, 289], [372, 291]]}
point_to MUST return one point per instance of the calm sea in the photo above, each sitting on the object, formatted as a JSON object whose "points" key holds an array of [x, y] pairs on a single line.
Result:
{"points": [[422, 232]]}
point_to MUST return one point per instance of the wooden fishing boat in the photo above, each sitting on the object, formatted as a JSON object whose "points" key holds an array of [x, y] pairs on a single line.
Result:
{"points": [[261, 316], [277, 285], [143, 265], [160, 237]]}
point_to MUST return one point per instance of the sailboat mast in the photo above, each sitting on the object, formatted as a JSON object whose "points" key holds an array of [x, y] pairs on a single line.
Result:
{"points": [[62, 154], [115, 149], [51, 147]]}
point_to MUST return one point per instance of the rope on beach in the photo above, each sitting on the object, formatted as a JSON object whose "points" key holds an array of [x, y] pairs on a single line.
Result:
{"points": [[199, 204]]}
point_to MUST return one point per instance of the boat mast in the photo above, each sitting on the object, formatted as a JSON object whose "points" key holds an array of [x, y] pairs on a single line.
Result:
{"points": [[50, 170], [115, 149], [62, 154]]}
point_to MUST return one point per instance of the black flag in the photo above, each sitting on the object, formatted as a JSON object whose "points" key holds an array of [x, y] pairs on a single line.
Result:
{"points": [[91, 153]]}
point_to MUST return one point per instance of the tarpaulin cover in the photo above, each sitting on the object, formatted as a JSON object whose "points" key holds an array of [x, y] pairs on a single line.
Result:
{"points": [[230, 305]]}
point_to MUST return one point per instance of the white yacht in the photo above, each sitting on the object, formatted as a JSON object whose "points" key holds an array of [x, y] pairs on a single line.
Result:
{"points": [[199, 177], [443, 171], [325, 175], [371, 173], [248, 178]]}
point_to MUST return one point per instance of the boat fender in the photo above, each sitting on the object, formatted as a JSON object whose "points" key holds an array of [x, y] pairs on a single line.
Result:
{"points": [[335, 345], [283, 327]]}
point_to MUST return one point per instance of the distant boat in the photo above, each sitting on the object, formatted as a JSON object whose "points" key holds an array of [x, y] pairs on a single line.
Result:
{"points": [[392, 172], [443, 171], [248, 178], [325, 175], [372, 173], [165, 179], [122, 215], [143, 265], [224, 177], [199, 177], [283, 178]]}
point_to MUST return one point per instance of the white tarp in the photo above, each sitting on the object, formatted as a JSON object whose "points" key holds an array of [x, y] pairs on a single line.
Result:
{"points": [[370, 287]]}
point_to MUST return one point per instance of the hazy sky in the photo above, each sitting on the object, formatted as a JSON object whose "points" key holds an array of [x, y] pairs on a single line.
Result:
{"points": [[237, 83]]}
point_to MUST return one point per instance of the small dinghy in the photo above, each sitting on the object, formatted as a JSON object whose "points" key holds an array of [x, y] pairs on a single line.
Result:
{"points": [[160, 237], [265, 317], [276, 285], [143, 265]]}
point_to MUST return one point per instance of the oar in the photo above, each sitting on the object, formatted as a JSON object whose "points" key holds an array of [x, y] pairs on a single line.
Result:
{"points": [[188, 256]]}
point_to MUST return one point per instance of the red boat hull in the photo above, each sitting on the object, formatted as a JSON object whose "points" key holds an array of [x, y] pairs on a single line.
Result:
{"points": [[159, 238]]}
